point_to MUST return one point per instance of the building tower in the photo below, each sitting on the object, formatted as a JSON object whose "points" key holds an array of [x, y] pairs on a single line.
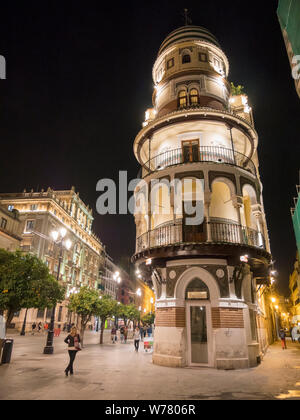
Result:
{"points": [[205, 275]]}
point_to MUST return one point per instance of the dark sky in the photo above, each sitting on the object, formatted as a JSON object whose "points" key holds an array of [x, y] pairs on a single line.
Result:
{"points": [[79, 81]]}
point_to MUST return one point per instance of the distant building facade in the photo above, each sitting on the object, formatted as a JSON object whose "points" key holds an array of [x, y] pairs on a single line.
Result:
{"points": [[289, 18], [294, 285], [40, 213], [10, 229]]}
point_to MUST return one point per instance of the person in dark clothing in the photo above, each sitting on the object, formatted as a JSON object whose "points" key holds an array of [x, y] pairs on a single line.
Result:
{"points": [[283, 339], [33, 327], [73, 341]]}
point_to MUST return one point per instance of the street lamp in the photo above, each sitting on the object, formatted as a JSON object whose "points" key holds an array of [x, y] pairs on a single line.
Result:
{"points": [[58, 239]]}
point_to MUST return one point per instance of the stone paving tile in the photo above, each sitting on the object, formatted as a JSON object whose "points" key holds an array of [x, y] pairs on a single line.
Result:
{"points": [[116, 372]]}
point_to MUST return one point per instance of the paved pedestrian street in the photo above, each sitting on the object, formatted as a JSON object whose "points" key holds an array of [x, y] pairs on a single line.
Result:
{"points": [[117, 372]]}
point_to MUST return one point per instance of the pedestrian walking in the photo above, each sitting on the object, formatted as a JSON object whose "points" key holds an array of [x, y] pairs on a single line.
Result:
{"points": [[122, 330], [113, 335], [149, 331], [142, 333], [137, 337], [294, 333], [283, 339], [125, 334], [144, 330], [73, 341], [39, 327], [33, 327], [45, 327]]}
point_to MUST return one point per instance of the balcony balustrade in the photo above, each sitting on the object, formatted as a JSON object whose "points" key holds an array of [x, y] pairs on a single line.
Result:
{"points": [[213, 154], [209, 232]]}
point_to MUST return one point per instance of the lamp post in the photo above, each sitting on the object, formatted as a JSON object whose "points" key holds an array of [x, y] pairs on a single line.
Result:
{"points": [[58, 238]]}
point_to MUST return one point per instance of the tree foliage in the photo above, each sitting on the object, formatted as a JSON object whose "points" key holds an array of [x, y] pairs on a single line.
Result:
{"points": [[25, 282], [85, 304], [148, 319], [106, 308]]}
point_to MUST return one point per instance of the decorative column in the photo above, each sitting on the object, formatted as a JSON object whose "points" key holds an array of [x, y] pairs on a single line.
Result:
{"points": [[237, 202], [207, 201]]}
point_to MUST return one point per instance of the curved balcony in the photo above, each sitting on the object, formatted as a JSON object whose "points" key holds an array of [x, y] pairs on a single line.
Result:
{"points": [[213, 232], [213, 154]]}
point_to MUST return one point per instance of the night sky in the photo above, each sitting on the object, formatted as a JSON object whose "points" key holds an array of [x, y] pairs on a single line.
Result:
{"points": [[79, 79]]}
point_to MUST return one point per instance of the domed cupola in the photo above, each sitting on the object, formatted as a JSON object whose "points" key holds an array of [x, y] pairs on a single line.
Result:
{"points": [[190, 71]]}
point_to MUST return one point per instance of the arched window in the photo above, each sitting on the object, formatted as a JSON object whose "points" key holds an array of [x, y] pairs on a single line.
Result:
{"points": [[182, 99], [197, 290], [186, 58], [194, 97]]}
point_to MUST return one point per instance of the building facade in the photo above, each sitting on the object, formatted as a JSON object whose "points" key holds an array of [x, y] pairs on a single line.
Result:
{"points": [[294, 286], [289, 19], [10, 229], [40, 213], [201, 230]]}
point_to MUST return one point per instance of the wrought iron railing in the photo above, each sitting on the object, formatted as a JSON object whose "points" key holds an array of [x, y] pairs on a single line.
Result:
{"points": [[216, 232], [215, 154]]}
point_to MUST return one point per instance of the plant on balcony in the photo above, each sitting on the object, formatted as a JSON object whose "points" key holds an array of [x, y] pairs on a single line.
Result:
{"points": [[236, 90]]}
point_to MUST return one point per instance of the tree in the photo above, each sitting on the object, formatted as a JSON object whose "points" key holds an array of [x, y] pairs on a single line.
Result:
{"points": [[133, 314], [106, 308], [148, 319], [25, 282], [85, 304]]}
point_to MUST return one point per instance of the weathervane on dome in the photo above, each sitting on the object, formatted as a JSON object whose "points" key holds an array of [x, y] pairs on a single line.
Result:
{"points": [[187, 19]]}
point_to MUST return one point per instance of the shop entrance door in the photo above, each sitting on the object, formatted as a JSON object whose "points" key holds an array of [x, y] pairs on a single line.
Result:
{"points": [[199, 334]]}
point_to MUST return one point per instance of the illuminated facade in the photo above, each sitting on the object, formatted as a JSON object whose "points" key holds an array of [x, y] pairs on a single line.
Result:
{"points": [[40, 213], [10, 229], [207, 313]]}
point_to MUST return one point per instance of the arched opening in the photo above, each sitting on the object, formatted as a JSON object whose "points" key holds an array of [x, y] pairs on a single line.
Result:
{"points": [[223, 215], [193, 210], [198, 290], [186, 58], [194, 97], [182, 99]]}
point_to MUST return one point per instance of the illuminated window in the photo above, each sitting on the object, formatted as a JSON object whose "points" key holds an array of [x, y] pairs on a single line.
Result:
{"points": [[194, 97], [182, 99], [29, 225], [33, 207], [186, 58]]}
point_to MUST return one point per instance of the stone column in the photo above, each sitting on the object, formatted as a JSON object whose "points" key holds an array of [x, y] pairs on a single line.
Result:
{"points": [[207, 201], [238, 204]]}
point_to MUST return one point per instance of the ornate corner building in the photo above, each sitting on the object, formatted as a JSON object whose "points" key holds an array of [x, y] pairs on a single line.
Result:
{"points": [[207, 311]]}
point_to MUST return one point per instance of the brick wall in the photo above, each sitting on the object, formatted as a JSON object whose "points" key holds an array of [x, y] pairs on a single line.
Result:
{"points": [[227, 318], [170, 317]]}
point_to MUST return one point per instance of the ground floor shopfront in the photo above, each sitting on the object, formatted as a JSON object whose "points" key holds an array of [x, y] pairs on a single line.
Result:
{"points": [[204, 318]]}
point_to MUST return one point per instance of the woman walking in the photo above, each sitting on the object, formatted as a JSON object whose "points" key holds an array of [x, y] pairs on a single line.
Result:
{"points": [[136, 338], [73, 341]]}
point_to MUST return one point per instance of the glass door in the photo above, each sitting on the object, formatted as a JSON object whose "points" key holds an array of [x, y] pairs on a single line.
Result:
{"points": [[190, 151], [199, 351]]}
